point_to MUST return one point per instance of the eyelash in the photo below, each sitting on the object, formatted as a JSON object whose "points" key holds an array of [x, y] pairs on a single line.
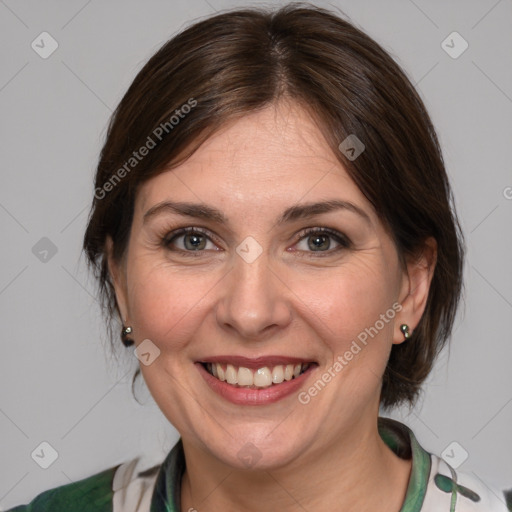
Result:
{"points": [[341, 239]]}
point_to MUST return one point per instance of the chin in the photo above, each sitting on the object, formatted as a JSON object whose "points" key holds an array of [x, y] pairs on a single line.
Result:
{"points": [[267, 452]]}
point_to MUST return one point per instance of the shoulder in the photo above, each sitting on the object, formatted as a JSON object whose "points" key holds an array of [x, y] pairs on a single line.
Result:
{"points": [[458, 491], [127, 487], [133, 485], [91, 494], [435, 485]]}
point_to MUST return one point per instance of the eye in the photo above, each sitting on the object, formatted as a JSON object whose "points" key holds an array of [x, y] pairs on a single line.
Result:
{"points": [[319, 240], [312, 240], [189, 239]]}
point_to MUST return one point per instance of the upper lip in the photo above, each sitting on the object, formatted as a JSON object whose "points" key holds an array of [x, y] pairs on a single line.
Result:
{"points": [[257, 362]]}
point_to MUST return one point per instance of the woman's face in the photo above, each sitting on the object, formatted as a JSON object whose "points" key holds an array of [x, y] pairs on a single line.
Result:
{"points": [[247, 281]]}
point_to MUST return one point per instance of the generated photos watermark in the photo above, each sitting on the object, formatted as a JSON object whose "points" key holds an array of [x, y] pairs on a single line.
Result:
{"points": [[156, 136], [343, 360]]}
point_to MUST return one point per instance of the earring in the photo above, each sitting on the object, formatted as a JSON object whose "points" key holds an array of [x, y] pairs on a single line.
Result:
{"points": [[405, 330], [125, 332]]}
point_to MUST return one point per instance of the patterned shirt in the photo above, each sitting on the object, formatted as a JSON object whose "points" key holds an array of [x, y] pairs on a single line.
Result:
{"points": [[434, 486]]}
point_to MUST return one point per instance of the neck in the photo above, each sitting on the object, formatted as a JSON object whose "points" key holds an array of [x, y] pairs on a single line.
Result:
{"points": [[357, 471]]}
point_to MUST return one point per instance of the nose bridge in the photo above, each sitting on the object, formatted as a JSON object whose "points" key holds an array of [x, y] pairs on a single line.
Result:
{"points": [[255, 299]]}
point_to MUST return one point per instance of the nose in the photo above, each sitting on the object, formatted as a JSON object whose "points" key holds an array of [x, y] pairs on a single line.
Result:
{"points": [[255, 302]]}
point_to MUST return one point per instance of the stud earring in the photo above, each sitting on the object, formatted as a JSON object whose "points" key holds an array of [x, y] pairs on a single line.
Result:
{"points": [[405, 330], [125, 332]]}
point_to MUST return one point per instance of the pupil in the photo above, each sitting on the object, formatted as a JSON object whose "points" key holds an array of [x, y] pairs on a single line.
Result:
{"points": [[319, 242], [194, 242]]}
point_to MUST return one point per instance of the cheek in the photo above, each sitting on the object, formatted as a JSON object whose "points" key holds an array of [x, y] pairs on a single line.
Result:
{"points": [[165, 304], [349, 304]]}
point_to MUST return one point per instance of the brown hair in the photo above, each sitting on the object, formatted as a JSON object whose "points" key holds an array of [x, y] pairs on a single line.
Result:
{"points": [[241, 61]]}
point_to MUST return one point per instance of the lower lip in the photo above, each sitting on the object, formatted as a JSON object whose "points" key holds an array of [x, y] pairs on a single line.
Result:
{"points": [[247, 396]]}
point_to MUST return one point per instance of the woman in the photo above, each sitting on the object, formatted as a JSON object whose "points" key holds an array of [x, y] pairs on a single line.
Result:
{"points": [[272, 225]]}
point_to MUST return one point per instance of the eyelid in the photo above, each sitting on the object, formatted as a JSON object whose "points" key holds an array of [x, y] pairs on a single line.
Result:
{"points": [[171, 235], [340, 238], [324, 230]]}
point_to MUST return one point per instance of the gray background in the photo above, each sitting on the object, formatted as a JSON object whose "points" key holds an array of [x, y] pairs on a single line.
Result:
{"points": [[59, 382]]}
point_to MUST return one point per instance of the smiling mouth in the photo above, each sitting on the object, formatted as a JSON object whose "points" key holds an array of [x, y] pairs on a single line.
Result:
{"points": [[264, 377]]}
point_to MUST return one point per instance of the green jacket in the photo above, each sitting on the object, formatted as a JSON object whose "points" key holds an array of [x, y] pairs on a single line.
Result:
{"points": [[93, 494]]}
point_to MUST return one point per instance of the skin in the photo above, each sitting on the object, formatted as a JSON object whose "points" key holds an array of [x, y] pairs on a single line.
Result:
{"points": [[294, 299]]}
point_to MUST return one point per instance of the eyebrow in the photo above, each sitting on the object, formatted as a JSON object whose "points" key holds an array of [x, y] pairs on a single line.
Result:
{"points": [[300, 211]]}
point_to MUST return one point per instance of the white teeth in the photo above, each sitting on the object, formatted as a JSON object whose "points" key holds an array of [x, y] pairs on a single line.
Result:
{"points": [[245, 377], [288, 372], [231, 374], [261, 378], [278, 374]]}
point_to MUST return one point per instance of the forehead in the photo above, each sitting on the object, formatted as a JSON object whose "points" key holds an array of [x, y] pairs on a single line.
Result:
{"points": [[277, 153]]}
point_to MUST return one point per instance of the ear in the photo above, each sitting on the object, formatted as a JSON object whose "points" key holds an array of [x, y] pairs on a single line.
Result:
{"points": [[417, 277], [118, 277]]}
